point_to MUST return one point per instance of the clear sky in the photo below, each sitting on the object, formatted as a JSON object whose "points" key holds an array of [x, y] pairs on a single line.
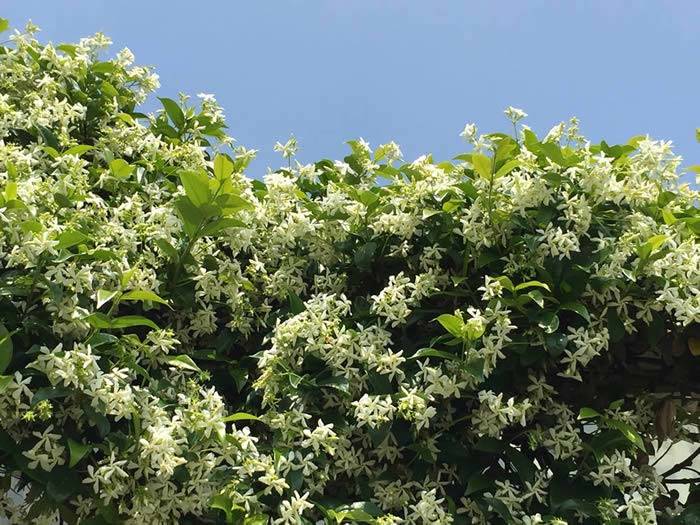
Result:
{"points": [[410, 71]]}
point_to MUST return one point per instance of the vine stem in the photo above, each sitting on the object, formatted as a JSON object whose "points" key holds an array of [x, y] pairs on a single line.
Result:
{"points": [[682, 465]]}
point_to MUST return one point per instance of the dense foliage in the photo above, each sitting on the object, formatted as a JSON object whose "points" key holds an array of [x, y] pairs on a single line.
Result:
{"points": [[505, 338]]}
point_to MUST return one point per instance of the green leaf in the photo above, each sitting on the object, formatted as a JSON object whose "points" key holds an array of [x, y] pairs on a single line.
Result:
{"points": [[364, 254], [62, 200], [579, 308], [31, 226], [121, 169], [231, 203], [196, 184], [109, 90], [223, 503], [192, 217], [500, 508], [48, 393], [548, 321], [475, 367], [358, 512], [668, 216], [99, 320], [507, 168], [103, 67], [126, 276], [653, 244], [427, 213], [691, 514], [62, 484], [431, 352], [173, 111], [52, 152], [182, 361], [368, 198], [616, 328], [339, 383], [4, 24], [77, 451], [628, 431], [489, 444], [104, 296], [68, 49], [223, 167], [257, 519], [167, 248], [523, 465], [537, 297], [240, 416], [70, 238], [452, 324], [10, 191], [221, 224], [143, 295], [49, 138], [128, 321], [555, 343], [532, 284], [506, 282], [4, 382], [296, 305], [694, 346], [6, 348], [78, 150], [99, 339], [588, 413], [482, 165], [477, 483]]}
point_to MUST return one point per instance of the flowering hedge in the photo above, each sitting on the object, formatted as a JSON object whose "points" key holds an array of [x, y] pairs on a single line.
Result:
{"points": [[504, 338]]}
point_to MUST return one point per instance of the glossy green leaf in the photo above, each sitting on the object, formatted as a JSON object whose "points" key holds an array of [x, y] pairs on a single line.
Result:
{"points": [[127, 321], [173, 110], [223, 167], [628, 431], [507, 168], [296, 305], [431, 352], [649, 247], [257, 519], [452, 324], [6, 348], [77, 451], [103, 67], [104, 296], [192, 217], [196, 184], [548, 321], [579, 308], [220, 225], [121, 169], [78, 150], [482, 165], [5, 381], [240, 416], [184, 362], [364, 254], [588, 413], [70, 238], [532, 284], [143, 295]]}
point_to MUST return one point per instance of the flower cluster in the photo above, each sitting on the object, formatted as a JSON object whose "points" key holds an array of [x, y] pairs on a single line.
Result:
{"points": [[505, 338]]}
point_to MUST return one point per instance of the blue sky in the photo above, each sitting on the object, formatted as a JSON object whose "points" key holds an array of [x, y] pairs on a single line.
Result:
{"points": [[410, 71]]}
